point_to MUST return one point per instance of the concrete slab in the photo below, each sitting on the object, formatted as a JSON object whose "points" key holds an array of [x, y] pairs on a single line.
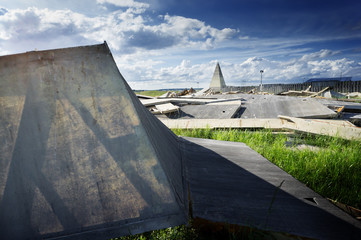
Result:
{"points": [[229, 182], [80, 157], [270, 106], [207, 111]]}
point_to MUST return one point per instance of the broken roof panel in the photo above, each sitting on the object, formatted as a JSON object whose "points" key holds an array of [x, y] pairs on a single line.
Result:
{"points": [[207, 111], [270, 106], [79, 154]]}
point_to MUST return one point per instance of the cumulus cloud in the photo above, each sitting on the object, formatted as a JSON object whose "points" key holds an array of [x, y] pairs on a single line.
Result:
{"points": [[124, 3], [192, 30], [185, 74], [295, 70], [125, 30], [320, 54], [3, 11], [159, 52], [33, 28]]}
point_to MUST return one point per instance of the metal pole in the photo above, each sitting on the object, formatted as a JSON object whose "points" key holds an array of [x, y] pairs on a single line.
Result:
{"points": [[261, 87]]}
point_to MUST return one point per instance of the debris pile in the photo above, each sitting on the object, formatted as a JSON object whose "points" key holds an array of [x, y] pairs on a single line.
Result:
{"points": [[305, 93], [210, 104], [171, 94]]}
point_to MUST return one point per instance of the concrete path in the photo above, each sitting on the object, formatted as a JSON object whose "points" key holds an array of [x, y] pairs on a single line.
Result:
{"points": [[229, 182]]}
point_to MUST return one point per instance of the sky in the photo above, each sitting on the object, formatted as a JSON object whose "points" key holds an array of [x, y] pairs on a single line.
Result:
{"points": [[163, 44]]}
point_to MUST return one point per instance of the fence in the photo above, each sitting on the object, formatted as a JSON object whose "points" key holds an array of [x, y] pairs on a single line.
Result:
{"points": [[342, 87]]}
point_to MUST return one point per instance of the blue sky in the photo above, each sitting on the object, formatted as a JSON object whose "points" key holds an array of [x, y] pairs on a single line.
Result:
{"points": [[176, 44]]}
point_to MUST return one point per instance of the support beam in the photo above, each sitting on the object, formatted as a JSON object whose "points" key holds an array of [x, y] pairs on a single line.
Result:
{"points": [[334, 128]]}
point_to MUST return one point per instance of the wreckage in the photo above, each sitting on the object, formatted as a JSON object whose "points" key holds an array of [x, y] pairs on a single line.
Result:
{"points": [[82, 158], [258, 109]]}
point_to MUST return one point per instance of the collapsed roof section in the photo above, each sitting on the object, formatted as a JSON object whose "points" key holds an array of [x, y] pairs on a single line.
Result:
{"points": [[80, 156], [217, 79]]}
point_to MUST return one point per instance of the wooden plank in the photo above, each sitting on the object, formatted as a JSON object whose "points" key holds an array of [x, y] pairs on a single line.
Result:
{"points": [[166, 108], [339, 128], [318, 93], [153, 102], [335, 128]]}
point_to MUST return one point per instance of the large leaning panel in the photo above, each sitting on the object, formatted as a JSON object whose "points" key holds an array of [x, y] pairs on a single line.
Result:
{"points": [[80, 157]]}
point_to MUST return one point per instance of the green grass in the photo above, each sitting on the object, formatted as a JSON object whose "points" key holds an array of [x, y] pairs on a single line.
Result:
{"points": [[334, 171], [152, 93], [179, 232]]}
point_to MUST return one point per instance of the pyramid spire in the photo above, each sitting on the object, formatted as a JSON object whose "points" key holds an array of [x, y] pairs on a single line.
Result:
{"points": [[217, 79]]}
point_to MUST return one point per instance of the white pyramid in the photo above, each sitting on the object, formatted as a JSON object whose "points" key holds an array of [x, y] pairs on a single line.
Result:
{"points": [[217, 79]]}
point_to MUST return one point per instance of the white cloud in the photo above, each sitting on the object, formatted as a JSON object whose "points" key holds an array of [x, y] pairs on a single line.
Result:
{"points": [[320, 54], [186, 75], [42, 26], [193, 32], [125, 3], [171, 51], [125, 30]]}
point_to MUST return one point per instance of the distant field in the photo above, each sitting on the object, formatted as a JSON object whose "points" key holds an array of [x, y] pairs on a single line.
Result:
{"points": [[152, 93]]}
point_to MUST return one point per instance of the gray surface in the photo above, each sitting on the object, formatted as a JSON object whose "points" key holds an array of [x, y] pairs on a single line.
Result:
{"points": [[80, 157], [229, 182], [270, 106], [206, 111], [331, 102]]}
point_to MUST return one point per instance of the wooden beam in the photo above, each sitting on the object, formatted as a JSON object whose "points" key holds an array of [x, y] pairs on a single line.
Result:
{"points": [[165, 108], [335, 128]]}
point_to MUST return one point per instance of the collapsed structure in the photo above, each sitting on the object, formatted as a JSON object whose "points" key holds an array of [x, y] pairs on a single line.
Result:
{"points": [[82, 158]]}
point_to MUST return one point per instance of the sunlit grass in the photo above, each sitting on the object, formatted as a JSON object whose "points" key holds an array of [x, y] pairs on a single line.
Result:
{"points": [[179, 232], [151, 93]]}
